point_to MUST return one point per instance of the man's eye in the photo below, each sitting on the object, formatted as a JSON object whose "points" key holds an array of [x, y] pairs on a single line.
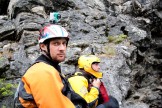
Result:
{"points": [[64, 43], [56, 43]]}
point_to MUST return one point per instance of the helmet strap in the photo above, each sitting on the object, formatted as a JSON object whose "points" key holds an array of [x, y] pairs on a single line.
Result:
{"points": [[47, 53], [48, 50]]}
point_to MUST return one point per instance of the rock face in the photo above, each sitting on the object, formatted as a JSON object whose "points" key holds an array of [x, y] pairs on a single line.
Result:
{"points": [[125, 34]]}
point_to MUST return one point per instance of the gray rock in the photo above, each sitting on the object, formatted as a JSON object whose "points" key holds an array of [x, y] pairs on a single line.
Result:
{"points": [[135, 33], [7, 30], [4, 65], [18, 6]]}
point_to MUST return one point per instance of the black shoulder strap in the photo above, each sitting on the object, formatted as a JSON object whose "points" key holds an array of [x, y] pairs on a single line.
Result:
{"points": [[77, 100]]}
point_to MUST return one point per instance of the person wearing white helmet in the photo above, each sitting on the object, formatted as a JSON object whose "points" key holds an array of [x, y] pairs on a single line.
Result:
{"points": [[42, 86], [86, 82]]}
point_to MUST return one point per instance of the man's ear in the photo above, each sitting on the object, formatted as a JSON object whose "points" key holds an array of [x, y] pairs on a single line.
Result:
{"points": [[43, 47]]}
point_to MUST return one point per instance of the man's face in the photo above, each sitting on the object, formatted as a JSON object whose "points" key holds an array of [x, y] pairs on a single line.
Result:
{"points": [[57, 49]]}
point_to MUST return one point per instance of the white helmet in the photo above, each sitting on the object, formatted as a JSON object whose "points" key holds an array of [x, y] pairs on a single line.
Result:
{"points": [[52, 31]]}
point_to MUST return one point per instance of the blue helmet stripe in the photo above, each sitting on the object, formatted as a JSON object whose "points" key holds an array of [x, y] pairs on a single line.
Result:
{"points": [[62, 31]]}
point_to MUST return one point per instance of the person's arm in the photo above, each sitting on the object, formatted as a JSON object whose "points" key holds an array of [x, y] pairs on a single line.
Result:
{"points": [[80, 85]]}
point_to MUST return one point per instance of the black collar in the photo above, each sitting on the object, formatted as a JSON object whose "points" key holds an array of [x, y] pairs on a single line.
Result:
{"points": [[46, 60]]}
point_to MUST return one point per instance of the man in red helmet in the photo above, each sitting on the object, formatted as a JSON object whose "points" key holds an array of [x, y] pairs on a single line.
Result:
{"points": [[42, 86]]}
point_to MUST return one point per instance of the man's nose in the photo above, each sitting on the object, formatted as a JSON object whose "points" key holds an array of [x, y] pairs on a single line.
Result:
{"points": [[62, 47]]}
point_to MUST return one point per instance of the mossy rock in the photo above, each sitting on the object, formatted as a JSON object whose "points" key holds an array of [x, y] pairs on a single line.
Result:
{"points": [[117, 39], [6, 88]]}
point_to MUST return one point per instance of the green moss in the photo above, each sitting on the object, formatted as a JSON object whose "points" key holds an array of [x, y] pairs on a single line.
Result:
{"points": [[3, 106], [111, 38], [117, 39], [5, 88]]}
